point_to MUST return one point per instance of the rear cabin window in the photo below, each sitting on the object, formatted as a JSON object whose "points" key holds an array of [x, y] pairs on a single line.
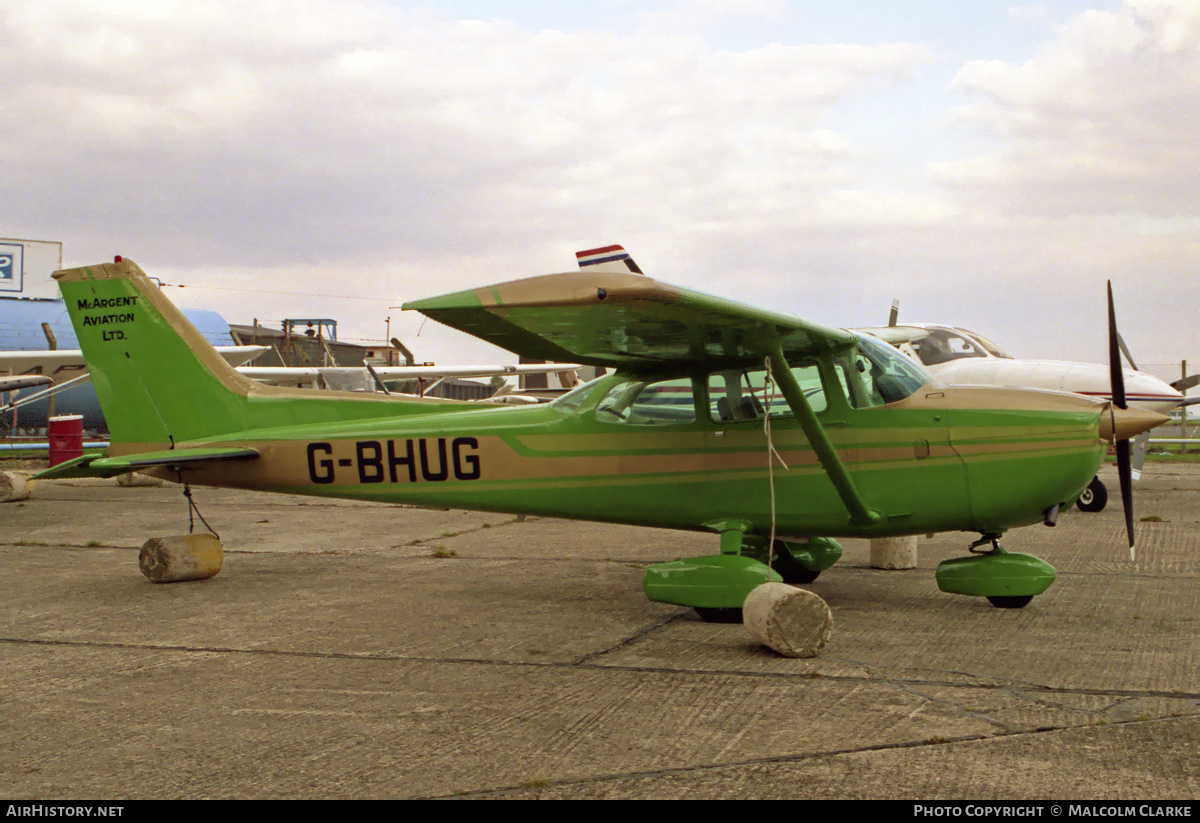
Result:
{"points": [[572, 400], [649, 403]]}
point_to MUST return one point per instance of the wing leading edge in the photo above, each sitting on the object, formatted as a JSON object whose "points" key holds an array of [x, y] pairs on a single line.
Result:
{"points": [[623, 320]]}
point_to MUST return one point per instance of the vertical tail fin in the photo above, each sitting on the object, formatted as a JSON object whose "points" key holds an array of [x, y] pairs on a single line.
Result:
{"points": [[158, 380]]}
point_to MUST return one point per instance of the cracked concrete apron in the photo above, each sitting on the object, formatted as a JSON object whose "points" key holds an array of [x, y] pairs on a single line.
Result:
{"points": [[358, 650]]}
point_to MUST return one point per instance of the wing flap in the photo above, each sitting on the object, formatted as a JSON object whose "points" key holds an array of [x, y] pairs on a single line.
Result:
{"points": [[622, 320]]}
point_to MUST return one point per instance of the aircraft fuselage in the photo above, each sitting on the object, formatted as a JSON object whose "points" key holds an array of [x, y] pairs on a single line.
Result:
{"points": [[942, 459]]}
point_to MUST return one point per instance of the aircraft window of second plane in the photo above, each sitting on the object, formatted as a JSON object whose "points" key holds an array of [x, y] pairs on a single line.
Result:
{"points": [[944, 345]]}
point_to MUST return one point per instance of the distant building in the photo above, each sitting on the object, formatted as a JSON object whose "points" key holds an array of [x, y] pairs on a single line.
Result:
{"points": [[26, 266], [297, 347]]}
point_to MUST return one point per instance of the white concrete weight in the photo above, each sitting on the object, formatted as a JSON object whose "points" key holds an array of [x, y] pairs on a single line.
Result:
{"points": [[794, 622]]}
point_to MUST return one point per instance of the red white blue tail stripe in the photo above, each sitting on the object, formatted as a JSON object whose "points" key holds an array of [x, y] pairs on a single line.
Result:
{"points": [[606, 254]]}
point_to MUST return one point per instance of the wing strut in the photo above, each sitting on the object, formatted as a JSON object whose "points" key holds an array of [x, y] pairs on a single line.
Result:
{"points": [[860, 515]]}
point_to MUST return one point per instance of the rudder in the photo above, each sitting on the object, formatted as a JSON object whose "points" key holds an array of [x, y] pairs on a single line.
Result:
{"points": [[156, 377]]}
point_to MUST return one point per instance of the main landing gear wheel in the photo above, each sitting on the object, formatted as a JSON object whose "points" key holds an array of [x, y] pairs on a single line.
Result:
{"points": [[793, 571], [711, 615], [1010, 601], [1094, 497]]}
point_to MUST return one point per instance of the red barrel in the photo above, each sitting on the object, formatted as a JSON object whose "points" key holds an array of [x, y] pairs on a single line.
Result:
{"points": [[66, 438]]}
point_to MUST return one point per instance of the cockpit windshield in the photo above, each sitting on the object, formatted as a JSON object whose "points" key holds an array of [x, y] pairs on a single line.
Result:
{"points": [[889, 375], [944, 344]]}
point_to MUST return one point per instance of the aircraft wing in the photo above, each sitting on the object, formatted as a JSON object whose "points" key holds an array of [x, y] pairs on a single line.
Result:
{"points": [[622, 320], [410, 372], [23, 381], [291, 374], [895, 335], [92, 466], [62, 364]]}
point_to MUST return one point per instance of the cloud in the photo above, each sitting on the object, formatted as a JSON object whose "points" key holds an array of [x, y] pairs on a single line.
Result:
{"points": [[1103, 119], [233, 130], [363, 148], [694, 15]]}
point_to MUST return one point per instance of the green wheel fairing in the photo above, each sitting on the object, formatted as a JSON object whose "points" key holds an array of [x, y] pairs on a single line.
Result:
{"points": [[996, 574], [711, 582], [794, 560]]}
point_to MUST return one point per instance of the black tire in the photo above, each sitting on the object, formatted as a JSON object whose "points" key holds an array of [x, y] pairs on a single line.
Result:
{"points": [[1094, 497], [793, 571], [711, 615], [1011, 601]]}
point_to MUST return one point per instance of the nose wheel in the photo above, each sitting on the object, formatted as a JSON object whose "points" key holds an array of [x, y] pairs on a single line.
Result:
{"points": [[1008, 581], [1094, 498], [1010, 601]]}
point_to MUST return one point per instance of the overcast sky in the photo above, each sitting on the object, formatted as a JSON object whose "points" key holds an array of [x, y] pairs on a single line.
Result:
{"points": [[987, 164]]}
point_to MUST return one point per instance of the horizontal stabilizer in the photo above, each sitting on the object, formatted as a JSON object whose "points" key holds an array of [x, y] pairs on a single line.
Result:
{"points": [[92, 466], [1185, 383]]}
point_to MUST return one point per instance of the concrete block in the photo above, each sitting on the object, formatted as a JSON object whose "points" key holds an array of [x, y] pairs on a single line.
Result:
{"points": [[14, 486], [138, 479], [181, 557], [894, 552], [794, 622]]}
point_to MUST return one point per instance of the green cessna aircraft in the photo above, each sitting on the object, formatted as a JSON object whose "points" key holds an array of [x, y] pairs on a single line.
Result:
{"points": [[776, 434]]}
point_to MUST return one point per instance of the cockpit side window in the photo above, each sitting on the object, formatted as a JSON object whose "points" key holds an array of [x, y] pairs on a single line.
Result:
{"points": [[646, 403], [848, 372], [747, 394], [573, 400]]}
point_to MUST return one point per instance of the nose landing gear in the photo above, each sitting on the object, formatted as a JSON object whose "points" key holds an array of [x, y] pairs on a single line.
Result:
{"points": [[1094, 498], [1008, 581]]}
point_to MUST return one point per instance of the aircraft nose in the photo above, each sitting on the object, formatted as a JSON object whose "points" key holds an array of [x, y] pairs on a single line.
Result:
{"points": [[1122, 424], [1148, 384]]}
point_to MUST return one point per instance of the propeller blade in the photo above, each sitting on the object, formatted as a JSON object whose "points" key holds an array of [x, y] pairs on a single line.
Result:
{"points": [[1124, 466], [1125, 351], [1189, 382], [1115, 373], [895, 315], [1125, 473]]}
